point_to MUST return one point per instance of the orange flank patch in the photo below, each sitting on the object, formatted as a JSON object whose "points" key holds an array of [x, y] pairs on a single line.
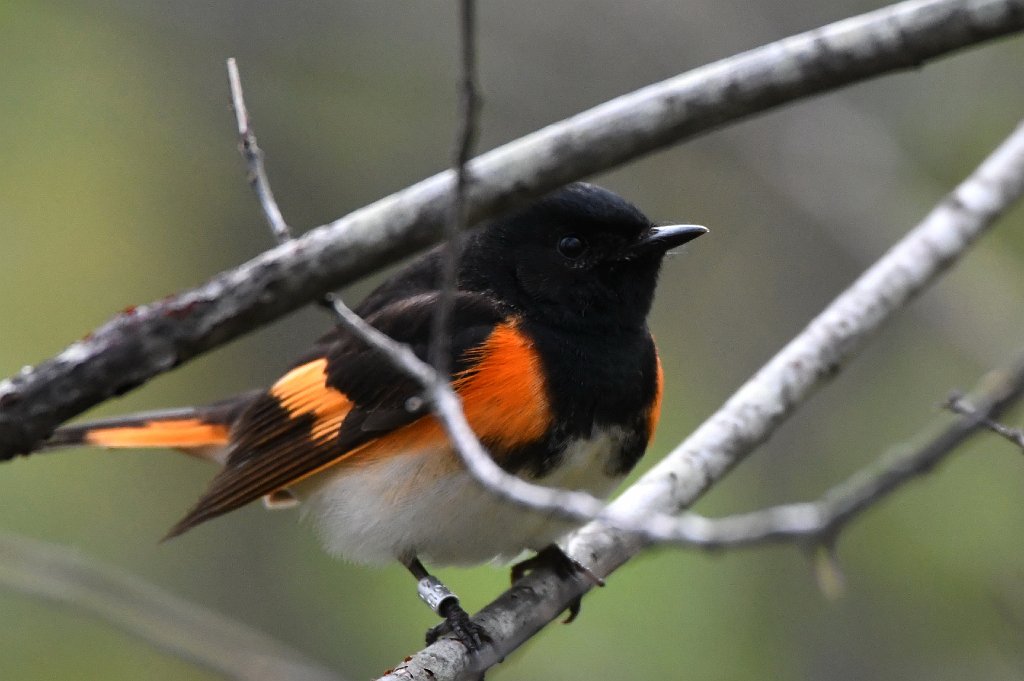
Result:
{"points": [[504, 394], [304, 390], [182, 433], [654, 415]]}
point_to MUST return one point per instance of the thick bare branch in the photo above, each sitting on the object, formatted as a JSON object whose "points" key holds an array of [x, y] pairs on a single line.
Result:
{"points": [[145, 341], [748, 418], [177, 627]]}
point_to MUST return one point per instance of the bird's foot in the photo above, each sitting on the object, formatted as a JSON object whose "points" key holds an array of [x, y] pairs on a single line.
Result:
{"points": [[457, 622], [458, 625], [563, 565]]}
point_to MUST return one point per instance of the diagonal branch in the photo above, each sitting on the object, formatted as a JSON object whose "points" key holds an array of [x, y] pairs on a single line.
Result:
{"points": [[747, 419], [146, 341]]}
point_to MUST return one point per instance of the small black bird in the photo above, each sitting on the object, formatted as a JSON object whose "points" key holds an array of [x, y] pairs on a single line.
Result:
{"points": [[550, 354]]}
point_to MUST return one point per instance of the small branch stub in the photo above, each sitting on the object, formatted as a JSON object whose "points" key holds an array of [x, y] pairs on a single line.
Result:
{"points": [[957, 404]]}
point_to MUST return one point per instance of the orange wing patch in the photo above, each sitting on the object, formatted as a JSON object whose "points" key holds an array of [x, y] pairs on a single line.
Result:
{"points": [[181, 433], [304, 390]]}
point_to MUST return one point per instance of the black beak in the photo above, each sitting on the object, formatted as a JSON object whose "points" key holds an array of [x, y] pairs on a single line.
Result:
{"points": [[662, 239]]}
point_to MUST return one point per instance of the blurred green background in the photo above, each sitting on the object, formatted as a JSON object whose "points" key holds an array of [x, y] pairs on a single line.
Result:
{"points": [[120, 183]]}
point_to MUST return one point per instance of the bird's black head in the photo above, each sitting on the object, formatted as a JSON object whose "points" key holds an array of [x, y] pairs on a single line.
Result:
{"points": [[581, 256]]}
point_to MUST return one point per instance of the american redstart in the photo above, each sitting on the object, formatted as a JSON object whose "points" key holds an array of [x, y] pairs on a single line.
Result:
{"points": [[552, 358]]}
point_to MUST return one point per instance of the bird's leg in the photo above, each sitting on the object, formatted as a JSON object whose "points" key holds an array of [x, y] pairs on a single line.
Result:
{"points": [[563, 565], [446, 604]]}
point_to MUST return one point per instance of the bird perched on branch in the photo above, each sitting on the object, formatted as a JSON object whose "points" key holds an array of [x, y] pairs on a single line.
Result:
{"points": [[549, 352]]}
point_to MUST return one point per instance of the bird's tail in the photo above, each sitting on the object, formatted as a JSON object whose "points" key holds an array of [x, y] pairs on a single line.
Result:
{"points": [[200, 431]]}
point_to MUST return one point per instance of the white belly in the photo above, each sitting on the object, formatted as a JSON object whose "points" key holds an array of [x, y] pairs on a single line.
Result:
{"points": [[414, 504]]}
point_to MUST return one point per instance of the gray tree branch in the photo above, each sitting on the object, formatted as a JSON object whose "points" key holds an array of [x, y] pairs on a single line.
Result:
{"points": [[146, 341]]}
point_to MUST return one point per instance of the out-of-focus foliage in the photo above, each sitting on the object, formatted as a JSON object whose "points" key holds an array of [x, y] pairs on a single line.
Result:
{"points": [[120, 183]]}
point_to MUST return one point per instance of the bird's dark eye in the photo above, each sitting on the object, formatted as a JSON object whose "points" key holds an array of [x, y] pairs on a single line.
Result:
{"points": [[572, 246]]}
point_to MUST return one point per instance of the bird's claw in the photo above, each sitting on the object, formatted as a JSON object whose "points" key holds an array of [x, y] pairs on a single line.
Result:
{"points": [[563, 565], [457, 624]]}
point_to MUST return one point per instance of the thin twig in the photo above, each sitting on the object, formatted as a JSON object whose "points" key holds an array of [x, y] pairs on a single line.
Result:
{"points": [[257, 171], [469, 106], [253, 156], [185, 630], [150, 339], [957, 404], [747, 419]]}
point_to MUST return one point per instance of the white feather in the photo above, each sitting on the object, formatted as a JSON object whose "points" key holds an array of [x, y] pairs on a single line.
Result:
{"points": [[414, 504]]}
